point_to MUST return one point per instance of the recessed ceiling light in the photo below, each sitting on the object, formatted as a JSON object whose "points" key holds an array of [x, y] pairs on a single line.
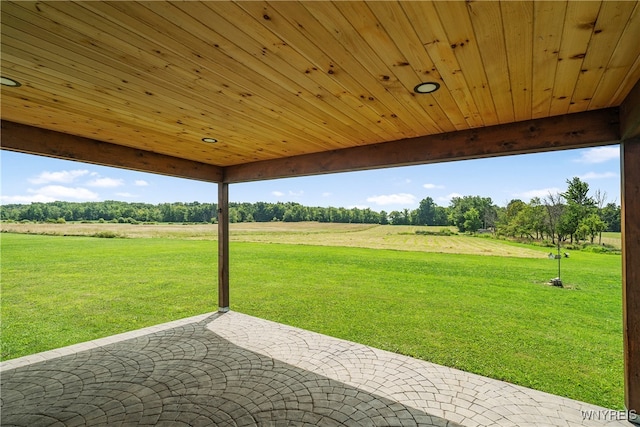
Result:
{"points": [[6, 81], [209, 140], [426, 87]]}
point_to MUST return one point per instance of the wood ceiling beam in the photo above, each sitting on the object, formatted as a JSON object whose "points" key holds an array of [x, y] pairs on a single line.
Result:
{"points": [[630, 114], [33, 140], [587, 129]]}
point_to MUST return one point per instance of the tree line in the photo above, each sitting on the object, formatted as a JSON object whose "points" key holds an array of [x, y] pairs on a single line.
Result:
{"points": [[570, 215], [195, 212]]}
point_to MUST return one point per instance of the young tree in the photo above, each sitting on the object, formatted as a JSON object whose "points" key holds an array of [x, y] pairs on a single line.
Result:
{"points": [[600, 198], [579, 205], [554, 206]]}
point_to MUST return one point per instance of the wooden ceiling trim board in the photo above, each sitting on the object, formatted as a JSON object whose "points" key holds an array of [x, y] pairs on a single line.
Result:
{"points": [[358, 31], [457, 24], [630, 114], [623, 70], [302, 31], [311, 76], [578, 28], [32, 140], [607, 31], [547, 31], [486, 18], [519, 43], [255, 84], [592, 128], [433, 40], [282, 65], [447, 107], [627, 82]]}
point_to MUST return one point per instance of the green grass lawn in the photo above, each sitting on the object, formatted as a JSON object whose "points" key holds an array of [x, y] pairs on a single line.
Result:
{"points": [[490, 315]]}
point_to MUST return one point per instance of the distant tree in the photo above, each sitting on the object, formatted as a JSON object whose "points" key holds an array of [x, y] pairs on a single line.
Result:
{"points": [[591, 226], [442, 216], [460, 205], [537, 217], [507, 223], [400, 217], [384, 218], [579, 205], [472, 222], [426, 212], [611, 216]]}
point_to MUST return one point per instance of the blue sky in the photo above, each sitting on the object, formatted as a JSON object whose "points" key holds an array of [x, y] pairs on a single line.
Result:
{"points": [[28, 178]]}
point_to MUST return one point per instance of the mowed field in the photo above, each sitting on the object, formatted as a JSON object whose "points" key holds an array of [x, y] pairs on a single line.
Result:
{"points": [[306, 233], [472, 303]]}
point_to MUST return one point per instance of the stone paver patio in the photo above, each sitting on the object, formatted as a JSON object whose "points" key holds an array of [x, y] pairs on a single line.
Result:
{"points": [[236, 370]]}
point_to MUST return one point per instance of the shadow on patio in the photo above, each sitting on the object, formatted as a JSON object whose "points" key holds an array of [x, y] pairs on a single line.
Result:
{"points": [[236, 370]]}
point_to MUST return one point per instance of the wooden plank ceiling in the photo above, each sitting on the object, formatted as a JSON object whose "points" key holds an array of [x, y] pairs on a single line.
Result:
{"points": [[273, 80]]}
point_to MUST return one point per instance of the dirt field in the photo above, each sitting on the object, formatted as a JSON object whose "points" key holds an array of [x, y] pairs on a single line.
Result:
{"points": [[303, 233]]}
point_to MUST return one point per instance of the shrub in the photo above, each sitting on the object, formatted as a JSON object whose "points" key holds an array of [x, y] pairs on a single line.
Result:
{"points": [[601, 249], [441, 232], [106, 235]]}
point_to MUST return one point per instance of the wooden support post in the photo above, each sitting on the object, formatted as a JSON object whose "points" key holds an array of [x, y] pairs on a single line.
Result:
{"points": [[223, 247], [630, 168]]}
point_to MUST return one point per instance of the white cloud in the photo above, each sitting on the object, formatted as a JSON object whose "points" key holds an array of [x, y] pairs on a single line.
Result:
{"points": [[63, 177], [141, 183], [599, 155], [289, 193], [327, 194], [541, 193], [127, 195], [596, 175], [449, 196], [36, 198], [59, 192], [105, 182], [432, 186], [393, 199]]}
